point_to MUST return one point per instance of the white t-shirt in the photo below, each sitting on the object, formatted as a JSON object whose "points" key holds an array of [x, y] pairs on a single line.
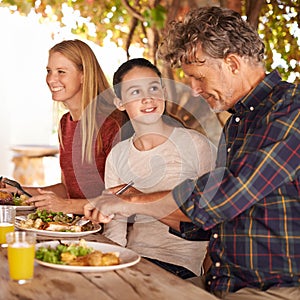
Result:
{"points": [[186, 154]]}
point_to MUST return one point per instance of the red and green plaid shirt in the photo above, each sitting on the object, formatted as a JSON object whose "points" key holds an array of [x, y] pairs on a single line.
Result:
{"points": [[251, 201]]}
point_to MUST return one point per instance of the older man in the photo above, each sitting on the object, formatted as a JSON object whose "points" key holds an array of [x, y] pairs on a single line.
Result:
{"points": [[251, 201]]}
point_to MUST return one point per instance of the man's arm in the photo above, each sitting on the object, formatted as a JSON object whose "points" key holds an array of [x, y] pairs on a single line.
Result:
{"points": [[271, 161], [159, 205]]}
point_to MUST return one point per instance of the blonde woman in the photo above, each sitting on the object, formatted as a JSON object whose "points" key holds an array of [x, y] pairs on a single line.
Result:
{"points": [[86, 132]]}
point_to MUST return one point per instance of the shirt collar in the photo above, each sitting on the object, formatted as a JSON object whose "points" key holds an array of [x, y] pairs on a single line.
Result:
{"points": [[261, 91]]}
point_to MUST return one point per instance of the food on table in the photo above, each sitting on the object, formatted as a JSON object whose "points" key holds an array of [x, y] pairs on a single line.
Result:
{"points": [[53, 221], [76, 254], [7, 198]]}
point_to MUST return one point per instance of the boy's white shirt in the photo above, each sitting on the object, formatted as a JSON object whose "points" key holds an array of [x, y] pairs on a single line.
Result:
{"points": [[186, 154]]}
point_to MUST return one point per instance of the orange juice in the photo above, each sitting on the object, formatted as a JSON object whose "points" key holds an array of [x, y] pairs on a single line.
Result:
{"points": [[4, 229], [21, 261]]}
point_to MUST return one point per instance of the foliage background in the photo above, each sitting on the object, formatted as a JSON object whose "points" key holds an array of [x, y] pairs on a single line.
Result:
{"points": [[130, 23], [143, 22], [127, 23]]}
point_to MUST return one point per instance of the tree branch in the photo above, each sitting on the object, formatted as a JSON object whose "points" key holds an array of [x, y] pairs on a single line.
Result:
{"points": [[131, 10], [133, 25]]}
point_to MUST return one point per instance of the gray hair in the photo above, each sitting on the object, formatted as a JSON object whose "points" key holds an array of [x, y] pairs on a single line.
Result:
{"points": [[218, 31]]}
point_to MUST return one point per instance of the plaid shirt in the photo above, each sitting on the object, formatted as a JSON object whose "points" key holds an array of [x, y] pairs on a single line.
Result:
{"points": [[252, 203]]}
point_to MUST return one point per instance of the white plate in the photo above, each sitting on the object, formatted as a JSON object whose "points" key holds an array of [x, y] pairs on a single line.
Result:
{"points": [[24, 207], [127, 257], [20, 207], [57, 234]]}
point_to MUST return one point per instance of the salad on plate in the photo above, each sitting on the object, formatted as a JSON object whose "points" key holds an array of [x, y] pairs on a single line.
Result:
{"points": [[76, 254], [43, 220]]}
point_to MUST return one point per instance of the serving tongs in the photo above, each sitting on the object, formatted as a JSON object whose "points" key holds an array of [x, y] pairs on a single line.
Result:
{"points": [[16, 185]]}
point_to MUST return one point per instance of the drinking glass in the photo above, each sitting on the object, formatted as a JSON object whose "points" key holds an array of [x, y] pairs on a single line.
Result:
{"points": [[7, 222], [21, 252]]}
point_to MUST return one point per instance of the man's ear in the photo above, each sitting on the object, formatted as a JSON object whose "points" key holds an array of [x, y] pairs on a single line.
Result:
{"points": [[119, 104], [233, 63]]}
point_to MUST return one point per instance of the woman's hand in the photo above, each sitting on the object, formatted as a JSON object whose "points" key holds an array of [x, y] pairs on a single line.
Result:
{"points": [[2, 184], [7, 188], [49, 201]]}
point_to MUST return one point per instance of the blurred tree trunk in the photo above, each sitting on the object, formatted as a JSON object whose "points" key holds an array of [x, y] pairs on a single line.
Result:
{"points": [[253, 9], [232, 4]]}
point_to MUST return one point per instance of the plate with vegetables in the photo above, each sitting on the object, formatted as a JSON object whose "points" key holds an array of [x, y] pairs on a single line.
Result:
{"points": [[55, 224], [16, 200], [82, 256]]}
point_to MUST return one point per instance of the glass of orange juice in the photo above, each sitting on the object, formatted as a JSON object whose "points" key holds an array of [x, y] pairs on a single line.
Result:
{"points": [[7, 222], [21, 252]]}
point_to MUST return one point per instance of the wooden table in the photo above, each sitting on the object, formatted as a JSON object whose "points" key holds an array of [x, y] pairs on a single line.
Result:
{"points": [[141, 281]]}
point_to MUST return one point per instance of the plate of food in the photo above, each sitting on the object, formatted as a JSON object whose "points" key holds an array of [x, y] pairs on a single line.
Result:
{"points": [[83, 256], [16, 200], [55, 224]]}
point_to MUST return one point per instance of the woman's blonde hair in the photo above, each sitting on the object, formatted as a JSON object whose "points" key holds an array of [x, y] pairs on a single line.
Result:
{"points": [[94, 84]]}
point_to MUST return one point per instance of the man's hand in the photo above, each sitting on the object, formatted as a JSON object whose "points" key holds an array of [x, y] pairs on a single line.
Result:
{"points": [[159, 205], [104, 208], [93, 214]]}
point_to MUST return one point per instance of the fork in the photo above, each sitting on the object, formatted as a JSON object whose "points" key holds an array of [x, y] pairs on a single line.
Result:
{"points": [[84, 221], [16, 185], [79, 222], [126, 187]]}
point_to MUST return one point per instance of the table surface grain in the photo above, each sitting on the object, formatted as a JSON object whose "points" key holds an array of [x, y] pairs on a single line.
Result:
{"points": [[141, 281]]}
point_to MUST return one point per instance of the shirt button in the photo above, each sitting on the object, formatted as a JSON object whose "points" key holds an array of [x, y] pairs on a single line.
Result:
{"points": [[215, 236], [214, 277], [228, 150], [218, 264], [209, 282], [237, 119], [251, 108]]}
